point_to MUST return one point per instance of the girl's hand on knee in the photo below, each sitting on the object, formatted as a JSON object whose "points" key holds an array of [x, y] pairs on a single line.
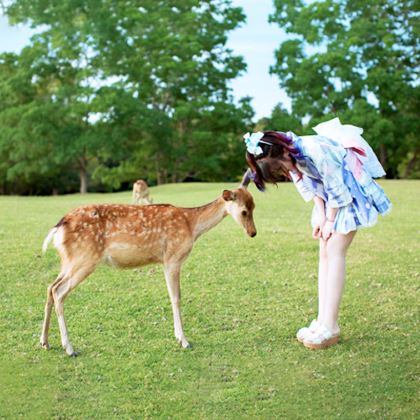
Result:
{"points": [[327, 230], [317, 232]]}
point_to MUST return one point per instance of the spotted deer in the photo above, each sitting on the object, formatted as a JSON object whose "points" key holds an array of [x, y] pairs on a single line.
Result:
{"points": [[141, 193], [133, 236]]}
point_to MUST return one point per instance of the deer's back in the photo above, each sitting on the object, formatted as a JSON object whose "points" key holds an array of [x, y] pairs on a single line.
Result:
{"points": [[126, 235]]}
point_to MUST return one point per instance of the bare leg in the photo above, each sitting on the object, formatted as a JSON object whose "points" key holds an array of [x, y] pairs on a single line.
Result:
{"points": [[322, 278], [47, 313], [337, 247], [172, 274], [59, 292]]}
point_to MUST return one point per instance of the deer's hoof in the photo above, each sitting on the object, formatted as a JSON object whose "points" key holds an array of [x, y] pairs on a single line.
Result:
{"points": [[45, 346], [74, 354], [186, 345]]}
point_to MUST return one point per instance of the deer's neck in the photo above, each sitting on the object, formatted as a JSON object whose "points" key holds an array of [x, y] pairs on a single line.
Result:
{"points": [[206, 217]]}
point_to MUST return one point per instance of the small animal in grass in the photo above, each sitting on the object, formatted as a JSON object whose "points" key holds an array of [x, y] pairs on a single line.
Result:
{"points": [[141, 193], [133, 236]]}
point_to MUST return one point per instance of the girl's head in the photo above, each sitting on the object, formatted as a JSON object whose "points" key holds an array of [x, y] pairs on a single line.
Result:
{"points": [[275, 158]]}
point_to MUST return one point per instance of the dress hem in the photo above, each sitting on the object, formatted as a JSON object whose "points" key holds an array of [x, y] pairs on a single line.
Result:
{"points": [[366, 225]]}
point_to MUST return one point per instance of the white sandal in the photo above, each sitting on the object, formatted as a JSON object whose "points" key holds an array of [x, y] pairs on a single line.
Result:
{"points": [[303, 332], [321, 338]]}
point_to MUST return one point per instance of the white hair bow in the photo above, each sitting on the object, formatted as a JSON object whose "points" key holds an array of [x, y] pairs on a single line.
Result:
{"points": [[251, 141]]}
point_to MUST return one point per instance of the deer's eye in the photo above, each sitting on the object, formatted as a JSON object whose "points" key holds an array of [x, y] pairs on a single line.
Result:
{"points": [[244, 213]]}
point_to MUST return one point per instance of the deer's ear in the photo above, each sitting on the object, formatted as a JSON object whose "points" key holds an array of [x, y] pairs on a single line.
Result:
{"points": [[229, 195]]}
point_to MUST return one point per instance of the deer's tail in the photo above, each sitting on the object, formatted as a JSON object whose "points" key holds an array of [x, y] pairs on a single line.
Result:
{"points": [[48, 239]]}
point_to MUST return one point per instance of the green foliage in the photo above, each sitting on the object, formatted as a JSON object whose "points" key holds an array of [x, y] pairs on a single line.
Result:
{"points": [[242, 300], [281, 120], [124, 91], [45, 130], [357, 60]]}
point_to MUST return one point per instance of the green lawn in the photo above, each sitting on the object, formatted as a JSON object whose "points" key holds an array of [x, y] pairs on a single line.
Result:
{"points": [[243, 300]]}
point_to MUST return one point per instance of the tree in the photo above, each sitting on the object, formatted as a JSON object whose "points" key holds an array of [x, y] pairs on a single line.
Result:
{"points": [[280, 120], [356, 59], [47, 130], [24, 120], [145, 91]]}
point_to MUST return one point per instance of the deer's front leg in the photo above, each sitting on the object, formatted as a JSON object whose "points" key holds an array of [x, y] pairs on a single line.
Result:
{"points": [[172, 276]]}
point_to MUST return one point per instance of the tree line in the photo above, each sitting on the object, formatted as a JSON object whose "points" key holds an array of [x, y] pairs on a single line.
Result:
{"points": [[110, 91]]}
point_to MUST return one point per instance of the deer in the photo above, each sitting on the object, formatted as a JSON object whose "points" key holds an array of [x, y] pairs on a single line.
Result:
{"points": [[128, 236], [141, 193]]}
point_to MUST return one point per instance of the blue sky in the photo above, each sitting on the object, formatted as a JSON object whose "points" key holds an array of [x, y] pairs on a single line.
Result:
{"points": [[255, 40]]}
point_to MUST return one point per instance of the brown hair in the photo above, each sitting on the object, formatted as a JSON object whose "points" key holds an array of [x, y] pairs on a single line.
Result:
{"points": [[269, 166]]}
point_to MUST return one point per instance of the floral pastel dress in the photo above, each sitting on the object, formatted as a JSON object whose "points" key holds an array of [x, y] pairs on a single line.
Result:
{"points": [[329, 171]]}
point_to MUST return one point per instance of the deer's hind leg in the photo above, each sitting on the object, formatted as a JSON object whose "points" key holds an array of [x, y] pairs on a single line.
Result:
{"points": [[60, 290], [47, 312]]}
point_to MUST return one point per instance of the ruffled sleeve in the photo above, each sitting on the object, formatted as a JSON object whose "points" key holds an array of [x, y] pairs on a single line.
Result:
{"points": [[328, 159], [305, 192]]}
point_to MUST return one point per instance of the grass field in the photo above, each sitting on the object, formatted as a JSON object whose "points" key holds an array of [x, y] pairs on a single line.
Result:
{"points": [[243, 300]]}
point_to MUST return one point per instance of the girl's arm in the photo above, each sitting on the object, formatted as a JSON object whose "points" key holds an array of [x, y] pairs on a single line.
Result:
{"points": [[320, 205], [332, 212], [327, 229], [328, 161]]}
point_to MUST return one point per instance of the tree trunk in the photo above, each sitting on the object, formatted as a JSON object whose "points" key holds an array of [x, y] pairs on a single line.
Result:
{"points": [[83, 175], [382, 155], [161, 174], [410, 165], [161, 177], [83, 181]]}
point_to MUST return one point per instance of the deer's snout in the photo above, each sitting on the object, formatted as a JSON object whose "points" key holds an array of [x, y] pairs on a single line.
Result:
{"points": [[251, 230]]}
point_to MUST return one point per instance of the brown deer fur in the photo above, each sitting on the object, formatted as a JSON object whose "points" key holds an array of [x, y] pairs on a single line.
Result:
{"points": [[133, 236]]}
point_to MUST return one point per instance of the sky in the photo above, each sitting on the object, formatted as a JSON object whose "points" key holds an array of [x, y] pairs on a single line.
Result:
{"points": [[255, 40]]}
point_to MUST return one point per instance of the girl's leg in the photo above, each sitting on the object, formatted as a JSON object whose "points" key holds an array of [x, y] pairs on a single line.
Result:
{"points": [[322, 278], [337, 247], [322, 289]]}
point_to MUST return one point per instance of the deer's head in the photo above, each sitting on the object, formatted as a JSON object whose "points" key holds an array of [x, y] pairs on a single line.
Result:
{"points": [[240, 205]]}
